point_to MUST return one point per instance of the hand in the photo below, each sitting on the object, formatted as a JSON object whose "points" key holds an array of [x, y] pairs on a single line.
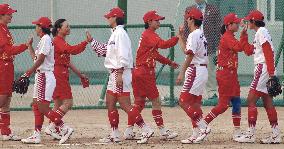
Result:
{"points": [[88, 36], [174, 65], [84, 80], [179, 78], [29, 43], [181, 31], [119, 80], [244, 31]]}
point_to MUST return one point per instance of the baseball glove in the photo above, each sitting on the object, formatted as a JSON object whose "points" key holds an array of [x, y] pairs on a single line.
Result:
{"points": [[21, 86], [273, 86]]}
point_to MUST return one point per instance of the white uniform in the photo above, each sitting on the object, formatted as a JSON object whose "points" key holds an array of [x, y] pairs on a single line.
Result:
{"points": [[118, 54], [196, 75], [44, 78], [261, 75]]}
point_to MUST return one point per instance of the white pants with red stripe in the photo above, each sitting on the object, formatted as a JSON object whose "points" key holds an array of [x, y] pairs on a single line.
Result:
{"points": [[260, 78], [44, 86], [195, 80], [126, 77]]}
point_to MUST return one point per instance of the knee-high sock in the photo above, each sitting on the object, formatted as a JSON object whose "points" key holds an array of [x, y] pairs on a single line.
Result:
{"points": [[252, 115], [113, 117], [272, 116], [5, 123], [236, 111], [39, 117], [157, 115]]}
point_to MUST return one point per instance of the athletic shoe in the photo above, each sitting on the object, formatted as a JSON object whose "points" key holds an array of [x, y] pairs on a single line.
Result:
{"points": [[51, 131], [248, 137], [65, 132], [146, 134], [192, 138], [11, 137], [274, 138], [167, 134], [237, 134], [34, 139], [203, 134], [110, 139], [129, 134]]}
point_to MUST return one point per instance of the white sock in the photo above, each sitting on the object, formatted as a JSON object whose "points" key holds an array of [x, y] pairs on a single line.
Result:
{"points": [[202, 124]]}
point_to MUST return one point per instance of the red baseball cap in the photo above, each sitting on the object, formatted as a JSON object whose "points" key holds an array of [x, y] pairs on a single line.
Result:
{"points": [[152, 15], [231, 18], [6, 9], [115, 12], [194, 13], [43, 22], [255, 15]]}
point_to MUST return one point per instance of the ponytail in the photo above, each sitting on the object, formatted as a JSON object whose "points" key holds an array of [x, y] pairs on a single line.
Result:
{"points": [[223, 29], [56, 26]]}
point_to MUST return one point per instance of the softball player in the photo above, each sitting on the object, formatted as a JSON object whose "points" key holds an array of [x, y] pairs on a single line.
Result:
{"points": [[194, 71], [45, 81], [119, 62], [227, 75], [144, 79], [8, 51], [263, 51]]}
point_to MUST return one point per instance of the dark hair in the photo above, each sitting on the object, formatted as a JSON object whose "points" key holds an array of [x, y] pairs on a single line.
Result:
{"points": [[146, 25], [56, 26], [46, 30], [258, 23], [223, 29], [119, 21], [197, 23]]}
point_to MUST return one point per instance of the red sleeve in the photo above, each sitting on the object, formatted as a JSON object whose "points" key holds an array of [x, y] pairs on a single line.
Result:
{"points": [[164, 44], [14, 50], [10, 50], [63, 46], [269, 57], [234, 44], [248, 48], [160, 58]]}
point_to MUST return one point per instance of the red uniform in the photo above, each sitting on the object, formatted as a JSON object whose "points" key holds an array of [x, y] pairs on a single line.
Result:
{"points": [[62, 60], [143, 77], [227, 75], [7, 54]]}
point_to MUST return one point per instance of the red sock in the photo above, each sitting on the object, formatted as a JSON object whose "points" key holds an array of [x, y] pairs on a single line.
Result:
{"points": [[236, 119], [113, 117], [217, 110], [5, 123], [194, 124], [134, 116], [39, 117], [157, 115], [194, 114], [272, 116], [252, 116], [55, 117]]}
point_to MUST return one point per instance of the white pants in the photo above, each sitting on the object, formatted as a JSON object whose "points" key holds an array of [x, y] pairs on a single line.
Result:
{"points": [[195, 80], [260, 78], [126, 77], [44, 86]]}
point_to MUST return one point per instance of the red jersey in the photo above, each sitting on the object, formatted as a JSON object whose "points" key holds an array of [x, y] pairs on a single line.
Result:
{"points": [[228, 50], [63, 50], [147, 52], [7, 49]]}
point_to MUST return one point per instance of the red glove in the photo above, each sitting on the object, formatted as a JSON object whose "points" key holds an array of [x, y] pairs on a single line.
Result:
{"points": [[85, 82]]}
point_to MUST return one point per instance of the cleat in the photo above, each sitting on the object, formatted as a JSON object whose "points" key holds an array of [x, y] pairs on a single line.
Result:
{"points": [[148, 133], [129, 134], [51, 131], [34, 139], [203, 134], [65, 132], [167, 134]]}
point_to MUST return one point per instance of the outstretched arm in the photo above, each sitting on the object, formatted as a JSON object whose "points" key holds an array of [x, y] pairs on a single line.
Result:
{"points": [[99, 48]]}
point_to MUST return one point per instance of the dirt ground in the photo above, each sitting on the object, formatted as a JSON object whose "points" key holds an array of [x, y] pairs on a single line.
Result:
{"points": [[91, 125]]}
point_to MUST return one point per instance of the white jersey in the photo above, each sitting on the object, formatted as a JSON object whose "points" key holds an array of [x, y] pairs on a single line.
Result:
{"points": [[119, 52], [197, 45], [46, 48], [261, 36]]}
